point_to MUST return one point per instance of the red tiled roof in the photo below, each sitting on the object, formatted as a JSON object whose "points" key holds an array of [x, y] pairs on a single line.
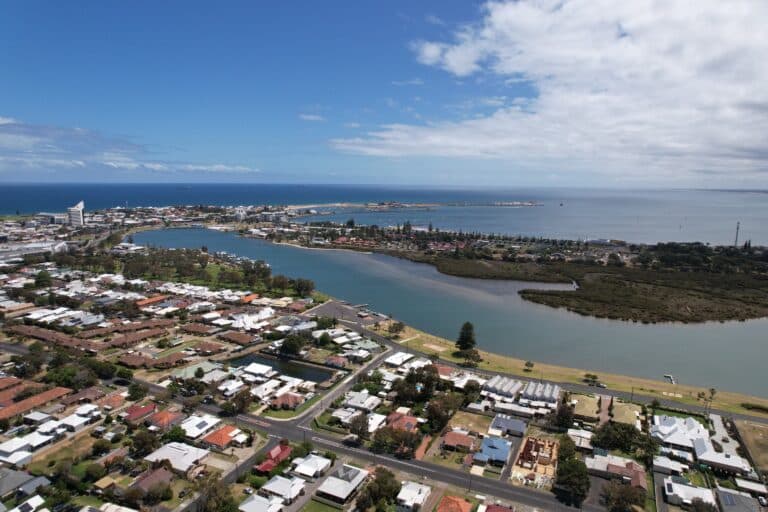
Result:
{"points": [[7, 382], [453, 504], [288, 400], [274, 457], [34, 401], [165, 419], [458, 439], [7, 395], [152, 478], [221, 437], [136, 412], [151, 300], [400, 421]]}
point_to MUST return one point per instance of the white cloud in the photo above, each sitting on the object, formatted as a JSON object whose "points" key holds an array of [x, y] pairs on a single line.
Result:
{"points": [[352, 125], [646, 89], [434, 20], [51, 148], [412, 81], [311, 117]]}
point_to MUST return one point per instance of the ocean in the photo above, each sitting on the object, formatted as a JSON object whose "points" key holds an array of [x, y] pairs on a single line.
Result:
{"points": [[644, 216]]}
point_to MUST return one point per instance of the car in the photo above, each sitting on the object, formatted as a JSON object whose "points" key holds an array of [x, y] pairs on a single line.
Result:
{"points": [[247, 490], [763, 502]]}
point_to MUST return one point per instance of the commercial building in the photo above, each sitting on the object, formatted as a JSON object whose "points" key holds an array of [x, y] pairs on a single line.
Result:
{"points": [[76, 214]]}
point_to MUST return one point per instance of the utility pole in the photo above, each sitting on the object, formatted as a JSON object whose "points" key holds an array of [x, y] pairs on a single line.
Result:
{"points": [[736, 242]]}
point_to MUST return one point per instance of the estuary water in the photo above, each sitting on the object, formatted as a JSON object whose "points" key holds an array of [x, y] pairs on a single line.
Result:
{"points": [[728, 356]]}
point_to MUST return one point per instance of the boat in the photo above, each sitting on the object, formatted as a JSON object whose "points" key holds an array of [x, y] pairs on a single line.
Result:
{"points": [[671, 378]]}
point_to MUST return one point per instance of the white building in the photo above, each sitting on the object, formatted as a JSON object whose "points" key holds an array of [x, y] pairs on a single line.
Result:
{"points": [[412, 495], [182, 456], [287, 489], [342, 484], [75, 214], [256, 503], [311, 466], [679, 493], [195, 426]]}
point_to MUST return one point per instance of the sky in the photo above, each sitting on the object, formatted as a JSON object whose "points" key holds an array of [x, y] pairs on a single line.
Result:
{"points": [[593, 93]]}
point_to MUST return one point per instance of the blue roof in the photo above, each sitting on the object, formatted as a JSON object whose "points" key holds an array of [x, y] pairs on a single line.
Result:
{"points": [[493, 449]]}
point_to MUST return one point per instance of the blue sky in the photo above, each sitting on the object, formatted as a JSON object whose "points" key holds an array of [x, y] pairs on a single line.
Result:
{"points": [[445, 93]]}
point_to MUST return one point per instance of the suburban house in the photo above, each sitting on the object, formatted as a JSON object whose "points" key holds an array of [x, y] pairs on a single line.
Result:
{"points": [[311, 466], [412, 496], [504, 424], [287, 489], [493, 450], [225, 436], [182, 456], [679, 491], [612, 466], [274, 457], [342, 484], [458, 440]]}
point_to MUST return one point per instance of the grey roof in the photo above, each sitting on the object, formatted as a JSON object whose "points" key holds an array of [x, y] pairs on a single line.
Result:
{"points": [[507, 423], [31, 486], [10, 480], [732, 501]]}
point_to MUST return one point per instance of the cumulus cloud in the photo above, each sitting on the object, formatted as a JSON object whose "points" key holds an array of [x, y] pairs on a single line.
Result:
{"points": [[311, 117], [32, 147], [643, 88]]}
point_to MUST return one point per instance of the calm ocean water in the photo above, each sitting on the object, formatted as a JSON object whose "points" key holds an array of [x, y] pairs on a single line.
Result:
{"points": [[727, 356], [637, 216]]}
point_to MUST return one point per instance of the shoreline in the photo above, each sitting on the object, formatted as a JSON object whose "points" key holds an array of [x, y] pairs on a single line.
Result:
{"points": [[575, 376], [729, 401]]}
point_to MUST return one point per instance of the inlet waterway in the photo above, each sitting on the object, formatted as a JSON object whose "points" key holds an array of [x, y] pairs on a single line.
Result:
{"points": [[727, 356], [286, 367]]}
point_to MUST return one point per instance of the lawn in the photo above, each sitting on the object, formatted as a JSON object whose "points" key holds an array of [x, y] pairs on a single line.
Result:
{"points": [[586, 406], [471, 422], [452, 460], [316, 506], [76, 447], [87, 501], [755, 438], [650, 497], [626, 413]]}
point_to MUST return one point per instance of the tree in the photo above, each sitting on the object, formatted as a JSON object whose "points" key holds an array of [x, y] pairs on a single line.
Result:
{"points": [[383, 490], [304, 287], [292, 345], [619, 497], [157, 493], [699, 505], [280, 282], [466, 339], [324, 340], [471, 392], [567, 449], [199, 373], [100, 447], [42, 279], [144, 442], [175, 434], [94, 471], [359, 426], [529, 366], [573, 478], [615, 436], [124, 373], [137, 391], [562, 417]]}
